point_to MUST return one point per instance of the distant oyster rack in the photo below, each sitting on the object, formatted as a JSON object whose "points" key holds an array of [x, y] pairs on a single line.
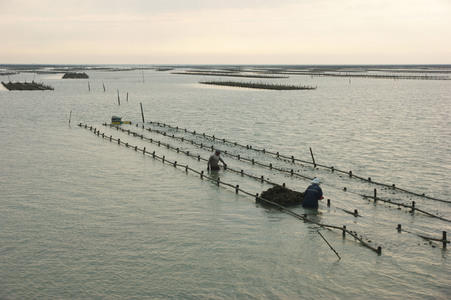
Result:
{"points": [[259, 85], [26, 86]]}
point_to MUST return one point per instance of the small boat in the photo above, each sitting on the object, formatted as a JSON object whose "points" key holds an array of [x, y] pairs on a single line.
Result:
{"points": [[118, 121]]}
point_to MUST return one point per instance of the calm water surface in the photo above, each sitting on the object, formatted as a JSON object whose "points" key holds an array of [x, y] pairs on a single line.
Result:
{"points": [[81, 217]]}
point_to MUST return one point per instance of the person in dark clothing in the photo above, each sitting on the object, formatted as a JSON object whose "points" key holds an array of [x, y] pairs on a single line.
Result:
{"points": [[312, 194]]}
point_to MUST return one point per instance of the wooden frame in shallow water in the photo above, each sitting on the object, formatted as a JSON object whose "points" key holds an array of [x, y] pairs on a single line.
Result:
{"points": [[26, 86], [259, 85]]}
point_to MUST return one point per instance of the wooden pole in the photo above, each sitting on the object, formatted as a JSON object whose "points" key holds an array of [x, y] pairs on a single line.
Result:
{"points": [[313, 158], [142, 113], [329, 244], [104, 87], [70, 116], [118, 99]]}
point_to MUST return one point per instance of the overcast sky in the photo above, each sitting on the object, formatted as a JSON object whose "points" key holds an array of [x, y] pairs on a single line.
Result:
{"points": [[225, 31]]}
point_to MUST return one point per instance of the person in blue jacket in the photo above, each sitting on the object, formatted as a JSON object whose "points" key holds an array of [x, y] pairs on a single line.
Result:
{"points": [[312, 194]]}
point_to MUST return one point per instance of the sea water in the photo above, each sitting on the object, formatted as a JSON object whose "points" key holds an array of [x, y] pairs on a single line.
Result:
{"points": [[83, 217]]}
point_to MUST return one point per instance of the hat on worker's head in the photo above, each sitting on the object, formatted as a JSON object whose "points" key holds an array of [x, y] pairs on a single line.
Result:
{"points": [[218, 151], [316, 181]]}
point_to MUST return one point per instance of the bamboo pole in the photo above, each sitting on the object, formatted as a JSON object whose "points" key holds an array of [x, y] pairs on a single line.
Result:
{"points": [[328, 244], [142, 113], [313, 158]]}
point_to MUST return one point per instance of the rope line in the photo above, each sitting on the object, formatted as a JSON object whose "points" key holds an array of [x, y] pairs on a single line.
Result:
{"points": [[412, 207], [202, 146], [257, 198], [198, 157], [293, 159], [443, 240]]}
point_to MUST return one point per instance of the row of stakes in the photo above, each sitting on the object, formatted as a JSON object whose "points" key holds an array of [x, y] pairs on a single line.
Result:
{"points": [[355, 213], [412, 207], [258, 199], [293, 159]]}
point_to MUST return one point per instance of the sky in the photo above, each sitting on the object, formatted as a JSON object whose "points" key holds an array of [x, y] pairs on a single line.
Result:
{"points": [[225, 32]]}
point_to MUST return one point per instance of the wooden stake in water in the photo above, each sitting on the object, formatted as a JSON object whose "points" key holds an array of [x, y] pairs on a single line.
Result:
{"points": [[118, 99], [313, 158], [328, 244], [89, 86], [142, 113], [70, 116], [104, 87]]}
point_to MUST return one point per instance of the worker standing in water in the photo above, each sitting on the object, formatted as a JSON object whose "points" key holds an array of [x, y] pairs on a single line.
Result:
{"points": [[213, 161], [312, 194]]}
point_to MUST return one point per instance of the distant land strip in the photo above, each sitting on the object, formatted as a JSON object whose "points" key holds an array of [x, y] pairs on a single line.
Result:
{"points": [[264, 86], [377, 76], [229, 74]]}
